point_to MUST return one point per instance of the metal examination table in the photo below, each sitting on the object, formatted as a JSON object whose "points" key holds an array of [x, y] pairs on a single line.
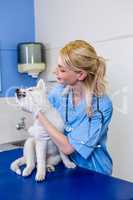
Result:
{"points": [[64, 184]]}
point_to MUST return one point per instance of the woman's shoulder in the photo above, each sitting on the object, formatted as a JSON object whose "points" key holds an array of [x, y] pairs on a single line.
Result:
{"points": [[105, 99], [55, 95], [104, 102]]}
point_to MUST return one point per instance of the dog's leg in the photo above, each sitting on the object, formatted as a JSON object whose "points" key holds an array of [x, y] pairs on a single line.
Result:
{"points": [[29, 155], [15, 165], [41, 151], [52, 161], [67, 162]]}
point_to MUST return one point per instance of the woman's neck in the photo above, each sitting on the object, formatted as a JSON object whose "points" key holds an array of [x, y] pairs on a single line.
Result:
{"points": [[77, 90]]}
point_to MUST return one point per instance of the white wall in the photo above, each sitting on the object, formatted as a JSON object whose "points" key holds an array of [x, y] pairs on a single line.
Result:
{"points": [[9, 117], [107, 24]]}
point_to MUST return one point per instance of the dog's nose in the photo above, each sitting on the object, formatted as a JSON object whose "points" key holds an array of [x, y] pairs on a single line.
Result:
{"points": [[17, 90], [18, 93]]}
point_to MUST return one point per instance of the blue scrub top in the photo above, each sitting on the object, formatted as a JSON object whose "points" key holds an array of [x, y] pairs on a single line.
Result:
{"points": [[88, 138]]}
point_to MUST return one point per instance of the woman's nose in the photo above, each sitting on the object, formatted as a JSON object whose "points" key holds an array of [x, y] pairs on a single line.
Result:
{"points": [[55, 71]]}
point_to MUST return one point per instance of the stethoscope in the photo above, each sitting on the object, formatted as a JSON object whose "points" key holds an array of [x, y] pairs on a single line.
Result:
{"points": [[68, 128]]}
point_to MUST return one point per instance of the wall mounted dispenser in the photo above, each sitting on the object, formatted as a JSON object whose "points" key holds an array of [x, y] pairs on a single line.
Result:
{"points": [[30, 58]]}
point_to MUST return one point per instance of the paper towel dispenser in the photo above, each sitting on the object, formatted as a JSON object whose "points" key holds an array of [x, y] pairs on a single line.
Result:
{"points": [[31, 58]]}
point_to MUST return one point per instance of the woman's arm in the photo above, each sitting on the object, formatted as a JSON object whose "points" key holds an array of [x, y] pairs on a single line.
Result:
{"points": [[58, 138]]}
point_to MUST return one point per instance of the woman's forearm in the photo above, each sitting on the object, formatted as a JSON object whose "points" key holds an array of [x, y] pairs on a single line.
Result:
{"points": [[58, 138]]}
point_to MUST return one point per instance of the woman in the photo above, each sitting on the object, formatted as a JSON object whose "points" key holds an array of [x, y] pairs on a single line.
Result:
{"points": [[81, 99]]}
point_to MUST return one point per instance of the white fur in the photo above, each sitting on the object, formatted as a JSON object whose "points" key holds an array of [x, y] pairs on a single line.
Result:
{"points": [[39, 149]]}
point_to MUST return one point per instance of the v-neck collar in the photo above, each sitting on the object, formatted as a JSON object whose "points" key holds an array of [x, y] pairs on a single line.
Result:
{"points": [[70, 101]]}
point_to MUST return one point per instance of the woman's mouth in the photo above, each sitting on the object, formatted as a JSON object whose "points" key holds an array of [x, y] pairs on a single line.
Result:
{"points": [[58, 78]]}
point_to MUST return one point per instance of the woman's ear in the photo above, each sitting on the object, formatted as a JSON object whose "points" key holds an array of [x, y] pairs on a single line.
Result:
{"points": [[82, 75]]}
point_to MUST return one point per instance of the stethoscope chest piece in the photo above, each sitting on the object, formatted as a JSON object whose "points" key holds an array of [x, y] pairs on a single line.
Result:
{"points": [[68, 128]]}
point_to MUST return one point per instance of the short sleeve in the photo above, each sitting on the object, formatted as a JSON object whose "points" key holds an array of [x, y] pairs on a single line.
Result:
{"points": [[88, 135], [55, 95]]}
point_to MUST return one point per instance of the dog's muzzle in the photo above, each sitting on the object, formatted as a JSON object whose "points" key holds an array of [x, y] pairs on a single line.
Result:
{"points": [[20, 94]]}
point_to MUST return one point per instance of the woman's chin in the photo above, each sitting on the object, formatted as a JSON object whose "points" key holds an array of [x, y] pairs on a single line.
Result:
{"points": [[59, 81]]}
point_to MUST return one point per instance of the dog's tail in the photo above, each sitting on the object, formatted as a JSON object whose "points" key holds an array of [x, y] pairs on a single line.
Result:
{"points": [[15, 165]]}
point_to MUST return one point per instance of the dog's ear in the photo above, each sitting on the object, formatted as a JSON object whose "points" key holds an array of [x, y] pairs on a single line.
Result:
{"points": [[41, 84]]}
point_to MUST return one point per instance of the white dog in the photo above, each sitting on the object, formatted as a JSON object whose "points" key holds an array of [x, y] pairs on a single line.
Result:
{"points": [[39, 150]]}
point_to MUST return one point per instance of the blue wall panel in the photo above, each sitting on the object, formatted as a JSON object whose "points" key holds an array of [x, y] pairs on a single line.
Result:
{"points": [[11, 78], [16, 25]]}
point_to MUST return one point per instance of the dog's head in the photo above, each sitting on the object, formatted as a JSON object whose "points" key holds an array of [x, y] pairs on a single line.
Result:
{"points": [[36, 94]]}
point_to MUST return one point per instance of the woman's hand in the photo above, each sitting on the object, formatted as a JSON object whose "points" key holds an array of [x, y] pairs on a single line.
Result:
{"points": [[58, 138]]}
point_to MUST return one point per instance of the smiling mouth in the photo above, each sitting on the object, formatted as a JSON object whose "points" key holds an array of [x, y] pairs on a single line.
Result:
{"points": [[58, 78]]}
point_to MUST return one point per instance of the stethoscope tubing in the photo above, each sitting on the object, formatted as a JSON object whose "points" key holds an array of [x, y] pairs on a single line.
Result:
{"points": [[69, 129]]}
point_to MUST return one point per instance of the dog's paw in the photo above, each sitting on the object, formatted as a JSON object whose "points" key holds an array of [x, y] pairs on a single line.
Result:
{"points": [[40, 176], [27, 171], [50, 168], [15, 169], [70, 165], [18, 172]]}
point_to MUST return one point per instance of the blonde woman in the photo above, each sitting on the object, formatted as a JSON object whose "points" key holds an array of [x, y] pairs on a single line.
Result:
{"points": [[81, 99]]}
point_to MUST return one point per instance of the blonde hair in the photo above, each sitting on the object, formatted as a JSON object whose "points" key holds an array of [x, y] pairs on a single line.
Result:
{"points": [[80, 55]]}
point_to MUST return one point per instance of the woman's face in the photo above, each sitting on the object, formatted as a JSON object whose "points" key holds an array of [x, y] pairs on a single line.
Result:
{"points": [[65, 75]]}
